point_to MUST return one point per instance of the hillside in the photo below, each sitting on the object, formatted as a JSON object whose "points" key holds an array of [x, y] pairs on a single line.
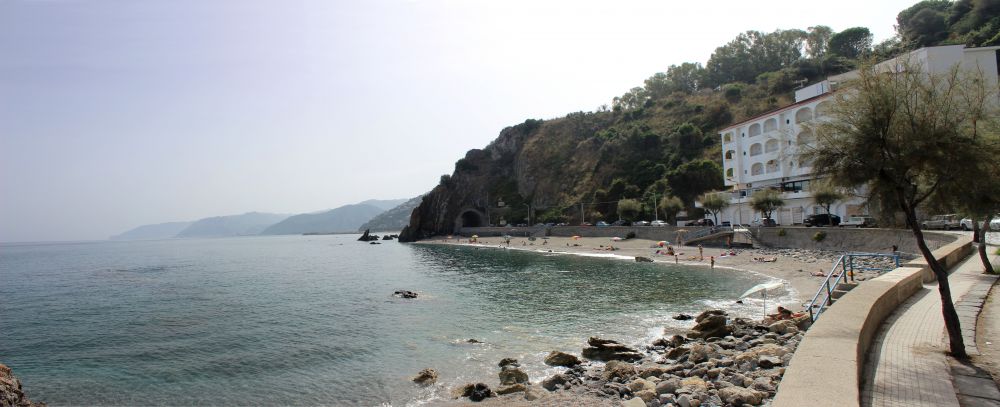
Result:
{"points": [[247, 224], [346, 218], [660, 139], [392, 220], [149, 232], [384, 204]]}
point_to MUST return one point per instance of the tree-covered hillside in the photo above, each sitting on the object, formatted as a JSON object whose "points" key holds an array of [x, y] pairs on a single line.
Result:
{"points": [[660, 139]]}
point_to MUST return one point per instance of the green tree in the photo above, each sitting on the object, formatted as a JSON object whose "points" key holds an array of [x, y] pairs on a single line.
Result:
{"points": [[826, 194], [693, 178], [851, 43], [629, 209], [897, 133], [714, 202], [818, 41], [766, 201], [686, 77], [670, 205], [923, 24]]}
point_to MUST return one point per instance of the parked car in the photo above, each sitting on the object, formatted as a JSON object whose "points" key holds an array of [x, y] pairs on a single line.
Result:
{"points": [[700, 222], [769, 222], [602, 224], [821, 219], [945, 222], [658, 223], [640, 223], [621, 223], [995, 223], [858, 222], [586, 224]]}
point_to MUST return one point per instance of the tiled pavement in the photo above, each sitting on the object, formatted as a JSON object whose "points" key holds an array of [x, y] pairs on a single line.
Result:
{"points": [[907, 366]]}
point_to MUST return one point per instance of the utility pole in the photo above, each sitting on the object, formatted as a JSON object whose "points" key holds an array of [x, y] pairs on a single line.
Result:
{"points": [[488, 221], [655, 210], [583, 216]]}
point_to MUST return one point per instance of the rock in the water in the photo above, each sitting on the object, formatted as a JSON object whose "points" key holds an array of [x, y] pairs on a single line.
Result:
{"points": [[683, 317], [405, 294], [738, 396], [514, 388], [374, 243], [557, 358], [387, 237], [366, 237], [426, 377], [471, 340], [508, 362], [11, 393], [512, 375], [480, 392], [607, 350], [554, 382]]}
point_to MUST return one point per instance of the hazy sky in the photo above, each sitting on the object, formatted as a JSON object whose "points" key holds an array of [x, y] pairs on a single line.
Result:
{"points": [[119, 113]]}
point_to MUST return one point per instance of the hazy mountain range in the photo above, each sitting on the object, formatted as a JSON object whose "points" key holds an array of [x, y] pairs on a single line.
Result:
{"points": [[392, 220], [345, 219]]}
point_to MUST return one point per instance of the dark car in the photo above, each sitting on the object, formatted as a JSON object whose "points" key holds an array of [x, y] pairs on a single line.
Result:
{"points": [[822, 219], [700, 222], [621, 223]]}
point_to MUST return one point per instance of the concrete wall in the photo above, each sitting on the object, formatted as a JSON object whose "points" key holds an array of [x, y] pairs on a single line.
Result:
{"points": [[668, 233], [849, 239], [827, 367]]}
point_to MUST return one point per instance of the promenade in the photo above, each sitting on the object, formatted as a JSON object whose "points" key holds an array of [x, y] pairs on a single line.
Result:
{"points": [[907, 364]]}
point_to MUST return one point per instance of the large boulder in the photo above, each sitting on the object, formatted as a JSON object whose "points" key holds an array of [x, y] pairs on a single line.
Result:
{"points": [[554, 382], [615, 369], [480, 392], [426, 377], [711, 324], [513, 388], [701, 352], [608, 350], [557, 358]]}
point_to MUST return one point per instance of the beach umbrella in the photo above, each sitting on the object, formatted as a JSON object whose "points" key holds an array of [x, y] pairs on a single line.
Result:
{"points": [[576, 237], [616, 239], [763, 288], [475, 236]]}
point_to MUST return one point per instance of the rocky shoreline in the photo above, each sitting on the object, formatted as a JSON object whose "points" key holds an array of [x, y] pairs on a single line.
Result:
{"points": [[719, 362], [11, 393]]}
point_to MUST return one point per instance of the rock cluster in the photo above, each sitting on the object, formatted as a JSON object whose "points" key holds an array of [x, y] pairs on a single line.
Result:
{"points": [[405, 294], [11, 393], [607, 350], [426, 377], [719, 363]]}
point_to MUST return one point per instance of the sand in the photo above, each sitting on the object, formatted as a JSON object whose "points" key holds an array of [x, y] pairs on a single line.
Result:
{"points": [[796, 267]]}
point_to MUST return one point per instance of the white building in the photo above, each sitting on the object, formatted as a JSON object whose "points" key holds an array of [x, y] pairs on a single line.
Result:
{"points": [[763, 151]]}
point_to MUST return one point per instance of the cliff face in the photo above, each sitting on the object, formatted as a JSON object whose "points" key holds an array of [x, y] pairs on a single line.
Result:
{"points": [[11, 393]]}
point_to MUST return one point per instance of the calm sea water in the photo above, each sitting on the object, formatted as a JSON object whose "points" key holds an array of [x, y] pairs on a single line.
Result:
{"points": [[306, 320]]}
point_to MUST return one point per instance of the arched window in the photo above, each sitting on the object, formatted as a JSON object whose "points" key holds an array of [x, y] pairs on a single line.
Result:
{"points": [[803, 115], [754, 129], [729, 173], [770, 125], [772, 166], [727, 138], [805, 137], [771, 146], [823, 108], [730, 154], [755, 149], [757, 169]]}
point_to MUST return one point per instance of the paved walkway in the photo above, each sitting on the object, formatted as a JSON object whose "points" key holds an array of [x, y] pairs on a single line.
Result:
{"points": [[907, 365]]}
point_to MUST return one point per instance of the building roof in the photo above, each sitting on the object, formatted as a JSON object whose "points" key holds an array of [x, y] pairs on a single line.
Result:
{"points": [[778, 110]]}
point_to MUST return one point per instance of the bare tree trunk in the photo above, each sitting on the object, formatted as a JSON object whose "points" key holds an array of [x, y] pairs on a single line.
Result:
{"points": [[951, 323], [981, 234], [975, 229]]}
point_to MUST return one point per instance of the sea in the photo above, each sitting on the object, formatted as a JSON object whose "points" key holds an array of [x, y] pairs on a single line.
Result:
{"points": [[312, 320]]}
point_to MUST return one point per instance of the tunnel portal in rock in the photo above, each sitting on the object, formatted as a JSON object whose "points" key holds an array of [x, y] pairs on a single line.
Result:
{"points": [[471, 218]]}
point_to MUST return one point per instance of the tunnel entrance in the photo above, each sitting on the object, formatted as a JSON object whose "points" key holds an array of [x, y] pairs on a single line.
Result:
{"points": [[471, 218]]}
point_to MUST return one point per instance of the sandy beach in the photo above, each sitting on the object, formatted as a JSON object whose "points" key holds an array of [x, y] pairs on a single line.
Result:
{"points": [[797, 267]]}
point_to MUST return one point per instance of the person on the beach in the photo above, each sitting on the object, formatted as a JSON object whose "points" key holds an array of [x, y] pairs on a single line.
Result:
{"points": [[701, 253], [712, 258], [675, 259]]}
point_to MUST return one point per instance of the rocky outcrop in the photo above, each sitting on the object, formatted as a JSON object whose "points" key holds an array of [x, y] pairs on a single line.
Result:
{"points": [[11, 393], [426, 377], [366, 237], [557, 358], [607, 350], [711, 324]]}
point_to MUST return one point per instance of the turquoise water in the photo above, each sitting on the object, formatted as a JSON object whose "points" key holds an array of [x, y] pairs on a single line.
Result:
{"points": [[306, 320]]}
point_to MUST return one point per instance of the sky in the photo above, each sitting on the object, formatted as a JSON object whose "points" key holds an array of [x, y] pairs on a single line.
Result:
{"points": [[119, 113]]}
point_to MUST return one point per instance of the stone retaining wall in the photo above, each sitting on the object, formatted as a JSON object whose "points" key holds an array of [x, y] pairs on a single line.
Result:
{"points": [[827, 367], [849, 239]]}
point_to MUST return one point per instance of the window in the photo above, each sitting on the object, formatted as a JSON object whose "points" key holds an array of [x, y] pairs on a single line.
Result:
{"points": [[729, 172], [755, 149], [757, 169], [754, 130], [730, 154], [803, 115], [773, 166], [823, 108], [727, 138], [770, 125], [805, 137]]}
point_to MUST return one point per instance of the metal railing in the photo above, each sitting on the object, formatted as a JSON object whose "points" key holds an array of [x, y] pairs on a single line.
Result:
{"points": [[847, 268]]}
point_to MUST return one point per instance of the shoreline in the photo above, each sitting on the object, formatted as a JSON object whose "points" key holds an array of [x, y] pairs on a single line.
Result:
{"points": [[797, 268]]}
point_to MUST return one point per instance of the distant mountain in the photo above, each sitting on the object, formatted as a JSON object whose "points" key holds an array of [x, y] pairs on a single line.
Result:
{"points": [[384, 204], [247, 224], [346, 218], [148, 232], [393, 220]]}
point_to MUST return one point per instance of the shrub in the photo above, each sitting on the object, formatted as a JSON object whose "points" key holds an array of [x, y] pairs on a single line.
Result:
{"points": [[819, 236], [630, 235], [781, 232]]}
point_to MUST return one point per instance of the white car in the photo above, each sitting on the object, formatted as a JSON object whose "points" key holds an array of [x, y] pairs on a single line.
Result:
{"points": [[658, 223], [994, 223]]}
